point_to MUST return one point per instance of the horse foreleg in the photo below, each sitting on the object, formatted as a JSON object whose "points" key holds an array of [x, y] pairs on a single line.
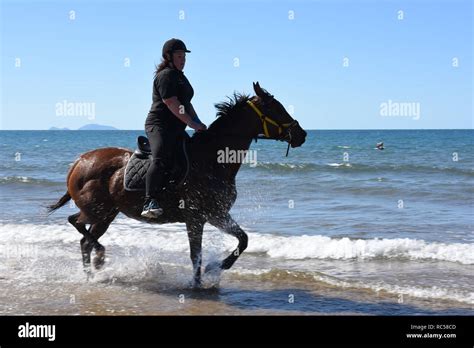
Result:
{"points": [[229, 226], [90, 240], [195, 229], [86, 249], [96, 231]]}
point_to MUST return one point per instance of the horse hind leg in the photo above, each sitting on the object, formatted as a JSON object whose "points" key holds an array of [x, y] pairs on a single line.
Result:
{"points": [[90, 241], [86, 243], [96, 231]]}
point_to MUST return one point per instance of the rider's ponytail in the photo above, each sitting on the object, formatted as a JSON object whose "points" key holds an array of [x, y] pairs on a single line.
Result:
{"points": [[164, 63]]}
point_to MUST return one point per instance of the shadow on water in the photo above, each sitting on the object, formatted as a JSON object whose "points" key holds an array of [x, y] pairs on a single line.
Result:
{"points": [[277, 300], [305, 302]]}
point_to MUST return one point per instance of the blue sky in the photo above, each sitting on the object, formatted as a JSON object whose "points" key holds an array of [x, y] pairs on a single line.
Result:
{"points": [[299, 60]]}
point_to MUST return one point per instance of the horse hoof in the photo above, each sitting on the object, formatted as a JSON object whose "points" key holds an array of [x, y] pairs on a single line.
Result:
{"points": [[99, 259], [88, 273], [213, 267], [196, 284]]}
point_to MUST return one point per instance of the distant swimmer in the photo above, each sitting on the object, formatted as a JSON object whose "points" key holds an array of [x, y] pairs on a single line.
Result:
{"points": [[380, 146]]}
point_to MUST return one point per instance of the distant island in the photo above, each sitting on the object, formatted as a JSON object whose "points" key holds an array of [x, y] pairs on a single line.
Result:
{"points": [[91, 126], [94, 126], [56, 128]]}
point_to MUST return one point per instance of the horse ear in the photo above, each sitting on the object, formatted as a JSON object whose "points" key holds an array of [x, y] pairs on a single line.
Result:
{"points": [[258, 90]]}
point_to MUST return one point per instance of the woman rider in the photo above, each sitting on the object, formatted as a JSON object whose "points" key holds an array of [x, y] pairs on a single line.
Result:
{"points": [[170, 112]]}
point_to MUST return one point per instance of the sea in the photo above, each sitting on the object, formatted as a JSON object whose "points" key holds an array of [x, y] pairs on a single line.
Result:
{"points": [[336, 228]]}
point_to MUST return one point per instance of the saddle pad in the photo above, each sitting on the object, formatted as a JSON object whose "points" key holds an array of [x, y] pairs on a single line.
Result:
{"points": [[135, 172]]}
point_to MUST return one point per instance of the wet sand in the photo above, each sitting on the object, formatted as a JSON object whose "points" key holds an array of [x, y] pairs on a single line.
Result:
{"points": [[276, 293]]}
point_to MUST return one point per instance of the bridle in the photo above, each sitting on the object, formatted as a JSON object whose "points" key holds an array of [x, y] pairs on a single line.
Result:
{"points": [[284, 129]]}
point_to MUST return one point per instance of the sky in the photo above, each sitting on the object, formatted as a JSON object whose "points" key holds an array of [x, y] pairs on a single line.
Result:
{"points": [[332, 64]]}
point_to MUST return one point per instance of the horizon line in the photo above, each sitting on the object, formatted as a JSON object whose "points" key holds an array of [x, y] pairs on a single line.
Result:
{"points": [[306, 129]]}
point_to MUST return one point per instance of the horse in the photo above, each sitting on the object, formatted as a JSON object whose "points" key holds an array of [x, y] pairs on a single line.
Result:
{"points": [[95, 181]]}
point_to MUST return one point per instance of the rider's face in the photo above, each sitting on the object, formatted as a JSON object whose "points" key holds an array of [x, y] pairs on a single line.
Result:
{"points": [[179, 59]]}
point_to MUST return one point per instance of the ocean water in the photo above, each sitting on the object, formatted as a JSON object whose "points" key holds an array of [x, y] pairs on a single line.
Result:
{"points": [[337, 227]]}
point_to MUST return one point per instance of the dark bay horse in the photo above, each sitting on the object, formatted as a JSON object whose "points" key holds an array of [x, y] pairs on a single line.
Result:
{"points": [[96, 180]]}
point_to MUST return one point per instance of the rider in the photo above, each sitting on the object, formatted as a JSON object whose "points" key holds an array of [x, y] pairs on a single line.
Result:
{"points": [[170, 112]]}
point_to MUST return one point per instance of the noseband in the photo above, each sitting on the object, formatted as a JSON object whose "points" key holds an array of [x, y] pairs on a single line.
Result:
{"points": [[284, 129]]}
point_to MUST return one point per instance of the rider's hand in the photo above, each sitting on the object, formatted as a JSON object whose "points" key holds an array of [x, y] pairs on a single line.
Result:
{"points": [[198, 126]]}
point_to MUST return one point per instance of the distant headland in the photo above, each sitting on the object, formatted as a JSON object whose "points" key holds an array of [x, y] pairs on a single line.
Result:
{"points": [[91, 126]]}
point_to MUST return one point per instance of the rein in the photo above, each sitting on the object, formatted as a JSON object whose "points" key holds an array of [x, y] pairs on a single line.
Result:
{"points": [[284, 129]]}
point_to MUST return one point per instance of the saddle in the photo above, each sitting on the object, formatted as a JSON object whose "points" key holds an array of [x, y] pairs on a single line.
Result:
{"points": [[137, 165]]}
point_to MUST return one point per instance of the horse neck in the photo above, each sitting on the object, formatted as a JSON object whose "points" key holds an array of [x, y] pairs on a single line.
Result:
{"points": [[232, 134], [237, 147]]}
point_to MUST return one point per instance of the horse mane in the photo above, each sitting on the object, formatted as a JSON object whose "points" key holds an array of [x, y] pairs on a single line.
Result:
{"points": [[235, 102], [226, 110]]}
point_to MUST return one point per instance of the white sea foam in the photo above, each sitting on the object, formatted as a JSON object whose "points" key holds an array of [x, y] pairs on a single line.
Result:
{"points": [[339, 164], [435, 292], [322, 247], [415, 291], [6, 179], [173, 238], [31, 251]]}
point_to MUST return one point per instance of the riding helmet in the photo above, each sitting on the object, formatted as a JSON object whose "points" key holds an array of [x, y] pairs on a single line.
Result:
{"points": [[173, 45]]}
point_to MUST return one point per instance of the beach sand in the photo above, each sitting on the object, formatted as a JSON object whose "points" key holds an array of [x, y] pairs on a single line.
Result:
{"points": [[273, 293]]}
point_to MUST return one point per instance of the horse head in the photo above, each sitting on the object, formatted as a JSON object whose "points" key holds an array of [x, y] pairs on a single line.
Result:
{"points": [[276, 122]]}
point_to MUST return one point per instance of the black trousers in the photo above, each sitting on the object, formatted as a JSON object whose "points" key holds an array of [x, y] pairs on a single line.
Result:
{"points": [[163, 145]]}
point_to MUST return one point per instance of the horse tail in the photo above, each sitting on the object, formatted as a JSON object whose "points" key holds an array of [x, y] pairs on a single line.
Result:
{"points": [[63, 200], [66, 197]]}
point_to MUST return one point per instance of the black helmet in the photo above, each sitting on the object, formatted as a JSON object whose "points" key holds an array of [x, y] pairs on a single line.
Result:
{"points": [[173, 45]]}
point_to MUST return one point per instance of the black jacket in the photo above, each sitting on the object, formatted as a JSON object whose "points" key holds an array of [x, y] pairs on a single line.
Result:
{"points": [[169, 83]]}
